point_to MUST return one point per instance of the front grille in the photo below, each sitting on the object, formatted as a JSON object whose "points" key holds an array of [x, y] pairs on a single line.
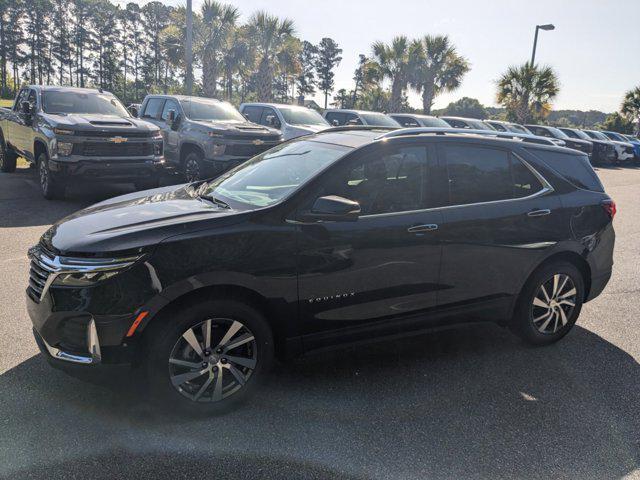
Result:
{"points": [[104, 149], [41, 267]]}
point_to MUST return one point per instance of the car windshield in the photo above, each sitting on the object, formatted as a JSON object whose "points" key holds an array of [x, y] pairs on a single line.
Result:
{"points": [[596, 135], [558, 133], [514, 127], [434, 122], [302, 116], [203, 109], [275, 174], [632, 138], [379, 120], [615, 136], [59, 102]]}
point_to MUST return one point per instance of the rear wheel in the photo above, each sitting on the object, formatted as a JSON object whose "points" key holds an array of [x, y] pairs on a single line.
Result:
{"points": [[210, 357], [192, 167], [51, 186], [549, 304], [8, 159]]}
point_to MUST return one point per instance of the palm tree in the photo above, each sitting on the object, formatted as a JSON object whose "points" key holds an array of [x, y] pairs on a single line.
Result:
{"points": [[270, 35], [526, 92], [436, 68], [213, 33], [239, 59], [394, 62], [631, 106]]}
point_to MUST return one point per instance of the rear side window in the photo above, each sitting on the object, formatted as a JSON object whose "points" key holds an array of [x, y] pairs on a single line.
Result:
{"points": [[153, 108], [479, 174], [574, 168]]}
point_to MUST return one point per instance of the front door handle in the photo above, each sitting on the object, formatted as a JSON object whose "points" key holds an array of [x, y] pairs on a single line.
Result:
{"points": [[539, 213], [422, 228]]}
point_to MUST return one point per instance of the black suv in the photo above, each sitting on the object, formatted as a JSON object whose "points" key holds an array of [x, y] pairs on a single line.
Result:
{"points": [[349, 234]]}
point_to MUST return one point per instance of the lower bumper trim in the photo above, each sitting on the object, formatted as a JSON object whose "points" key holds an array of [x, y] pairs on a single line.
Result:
{"points": [[93, 346]]}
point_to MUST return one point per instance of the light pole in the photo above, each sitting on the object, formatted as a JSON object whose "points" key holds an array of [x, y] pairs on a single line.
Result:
{"points": [[548, 26]]}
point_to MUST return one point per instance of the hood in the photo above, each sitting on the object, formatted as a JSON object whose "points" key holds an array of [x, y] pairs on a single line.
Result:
{"points": [[103, 123], [235, 128], [134, 221]]}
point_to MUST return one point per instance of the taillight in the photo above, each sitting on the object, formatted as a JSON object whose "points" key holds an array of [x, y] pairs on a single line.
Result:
{"points": [[610, 207]]}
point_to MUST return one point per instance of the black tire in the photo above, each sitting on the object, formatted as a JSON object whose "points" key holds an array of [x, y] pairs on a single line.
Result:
{"points": [[192, 167], [165, 341], [147, 184], [560, 314], [8, 159], [52, 187]]}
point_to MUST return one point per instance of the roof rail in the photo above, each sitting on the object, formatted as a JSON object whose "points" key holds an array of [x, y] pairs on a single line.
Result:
{"points": [[465, 131], [345, 128]]}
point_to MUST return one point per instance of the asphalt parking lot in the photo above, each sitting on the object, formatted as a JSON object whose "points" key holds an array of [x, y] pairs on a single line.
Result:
{"points": [[467, 403]]}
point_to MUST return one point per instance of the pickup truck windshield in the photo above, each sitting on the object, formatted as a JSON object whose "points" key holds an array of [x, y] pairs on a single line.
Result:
{"points": [[202, 109], [80, 102], [302, 116], [273, 175], [379, 120]]}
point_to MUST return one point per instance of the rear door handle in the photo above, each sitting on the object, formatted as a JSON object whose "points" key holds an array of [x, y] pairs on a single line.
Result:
{"points": [[422, 228], [539, 213]]}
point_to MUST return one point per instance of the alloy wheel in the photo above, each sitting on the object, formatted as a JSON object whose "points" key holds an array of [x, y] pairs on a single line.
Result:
{"points": [[554, 303], [192, 170], [44, 175], [213, 360]]}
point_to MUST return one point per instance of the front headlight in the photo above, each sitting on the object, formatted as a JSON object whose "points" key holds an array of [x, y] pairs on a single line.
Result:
{"points": [[218, 149], [65, 148], [76, 272], [80, 279], [157, 149], [62, 131]]}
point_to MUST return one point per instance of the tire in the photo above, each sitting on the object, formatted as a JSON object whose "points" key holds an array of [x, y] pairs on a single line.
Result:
{"points": [[8, 159], [541, 321], [52, 188], [192, 167], [193, 386], [146, 184]]}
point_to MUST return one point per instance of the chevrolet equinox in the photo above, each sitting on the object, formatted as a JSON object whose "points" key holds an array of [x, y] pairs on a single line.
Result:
{"points": [[342, 236]]}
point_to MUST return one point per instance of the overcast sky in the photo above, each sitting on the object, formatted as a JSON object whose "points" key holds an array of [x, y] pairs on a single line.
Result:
{"points": [[594, 48]]}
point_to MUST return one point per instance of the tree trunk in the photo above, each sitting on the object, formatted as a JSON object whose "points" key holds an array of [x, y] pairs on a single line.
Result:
{"points": [[265, 81], [428, 94], [209, 76], [396, 95]]}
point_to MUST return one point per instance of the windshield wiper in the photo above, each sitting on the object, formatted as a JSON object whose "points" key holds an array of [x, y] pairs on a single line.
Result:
{"points": [[216, 201]]}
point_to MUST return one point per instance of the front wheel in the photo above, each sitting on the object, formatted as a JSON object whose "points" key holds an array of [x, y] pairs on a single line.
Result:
{"points": [[210, 357], [52, 187], [549, 304], [192, 167]]}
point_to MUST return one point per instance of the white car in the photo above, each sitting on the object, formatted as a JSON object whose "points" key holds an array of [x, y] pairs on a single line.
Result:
{"points": [[292, 120]]}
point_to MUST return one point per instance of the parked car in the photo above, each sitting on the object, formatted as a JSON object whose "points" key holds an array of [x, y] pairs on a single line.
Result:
{"points": [[326, 239], [624, 150], [415, 120], [472, 123], [338, 117], [507, 126], [293, 121], [603, 151], [552, 132], [625, 145], [205, 137], [635, 141], [70, 133]]}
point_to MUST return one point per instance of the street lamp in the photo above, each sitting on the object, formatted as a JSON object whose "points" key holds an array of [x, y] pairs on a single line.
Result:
{"points": [[548, 26]]}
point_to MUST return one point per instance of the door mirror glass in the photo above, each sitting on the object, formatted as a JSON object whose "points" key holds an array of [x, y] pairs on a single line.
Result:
{"points": [[25, 107], [334, 208], [133, 110], [171, 117]]}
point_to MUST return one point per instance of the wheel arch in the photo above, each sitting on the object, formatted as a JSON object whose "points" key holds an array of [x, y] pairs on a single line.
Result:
{"points": [[39, 147], [573, 258], [188, 147]]}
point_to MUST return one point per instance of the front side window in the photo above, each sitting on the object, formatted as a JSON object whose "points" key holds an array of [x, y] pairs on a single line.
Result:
{"points": [[498, 127], [69, 102], [22, 97], [384, 182], [275, 174], [252, 113], [479, 174], [153, 108], [352, 119], [169, 105]]}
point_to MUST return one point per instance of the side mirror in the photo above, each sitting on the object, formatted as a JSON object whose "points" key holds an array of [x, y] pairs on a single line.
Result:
{"points": [[335, 123], [171, 117], [25, 107], [273, 121], [333, 208], [133, 111]]}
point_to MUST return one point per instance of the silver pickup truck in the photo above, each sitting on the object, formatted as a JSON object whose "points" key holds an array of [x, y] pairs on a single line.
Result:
{"points": [[69, 133]]}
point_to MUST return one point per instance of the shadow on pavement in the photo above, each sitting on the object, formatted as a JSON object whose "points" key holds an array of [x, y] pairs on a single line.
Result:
{"points": [[465, 403]]}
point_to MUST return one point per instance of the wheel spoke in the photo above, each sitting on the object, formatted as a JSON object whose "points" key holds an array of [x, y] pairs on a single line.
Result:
{"points": [[544, 292], [233, 329], [562, 285], [204, 387], [570, 293], [540, 303], [541, 317], [245, 362], [190, 337], [566, 302], [556, 317], [184, 363], [217, 389], [206, 333], [237, 374], [563, 316], [178, 380], [556, 279], [546, 322], [241, 340]]}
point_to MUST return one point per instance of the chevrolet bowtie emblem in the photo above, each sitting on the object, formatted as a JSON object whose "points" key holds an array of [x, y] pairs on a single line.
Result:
{"points": [[258, 142], [118, 139]]}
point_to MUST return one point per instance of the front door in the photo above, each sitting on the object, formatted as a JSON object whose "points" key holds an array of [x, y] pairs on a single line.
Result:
{"points": [[358, 278], [169, 134]]}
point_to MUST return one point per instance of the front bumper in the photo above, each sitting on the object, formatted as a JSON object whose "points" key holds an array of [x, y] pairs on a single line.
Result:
{"points": [[102, 169]]}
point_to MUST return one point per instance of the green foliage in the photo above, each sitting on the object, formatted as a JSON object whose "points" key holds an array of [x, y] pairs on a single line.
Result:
{"points": [[329, 57], [617, 123], [466, 107], [631, 107]]}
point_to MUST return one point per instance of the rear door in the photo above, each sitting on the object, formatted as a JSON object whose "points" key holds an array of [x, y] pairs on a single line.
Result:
{"points": [[362, 277], [499, 218]]}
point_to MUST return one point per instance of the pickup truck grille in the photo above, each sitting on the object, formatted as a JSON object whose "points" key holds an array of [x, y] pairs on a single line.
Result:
{"points": [[104, 149]]}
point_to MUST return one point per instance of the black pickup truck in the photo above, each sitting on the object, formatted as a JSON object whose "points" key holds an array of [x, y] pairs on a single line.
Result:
{"points": [[69, 133]]}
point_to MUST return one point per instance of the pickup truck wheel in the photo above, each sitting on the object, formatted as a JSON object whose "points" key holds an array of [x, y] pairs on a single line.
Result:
{"points": [[7, 158], [52, 188], [192, 167]]}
